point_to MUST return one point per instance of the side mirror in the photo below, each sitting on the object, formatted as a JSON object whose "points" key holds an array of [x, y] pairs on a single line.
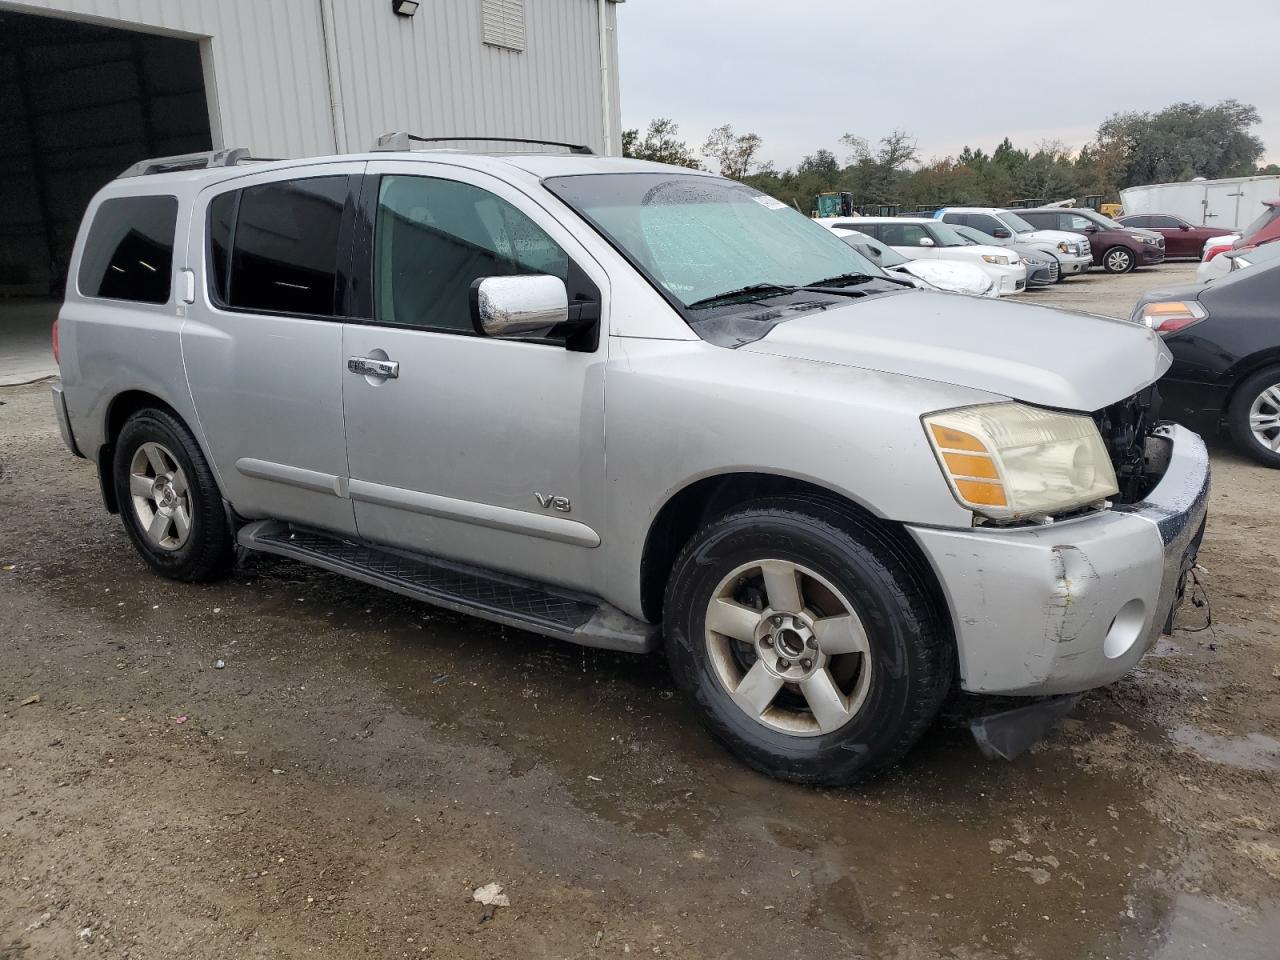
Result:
{"points": [[1092, 228], [925, 242], [1001, 233], [1183, 227], [525, 307]]}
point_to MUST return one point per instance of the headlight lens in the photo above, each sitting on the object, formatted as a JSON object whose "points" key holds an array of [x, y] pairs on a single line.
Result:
{"points": [[993, 258], [1065, 247], [1009, 461]]}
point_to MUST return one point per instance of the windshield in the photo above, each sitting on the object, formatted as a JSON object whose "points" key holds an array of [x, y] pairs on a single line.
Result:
{"points": [[1267, 216], [699, 237], [1016, 223], [974, 235], [885, 256], [1105, 222], [947, 235]]}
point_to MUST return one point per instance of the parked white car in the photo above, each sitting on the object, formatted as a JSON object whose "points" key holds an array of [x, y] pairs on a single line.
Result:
{"points": [[922, 238], [949, 275], [1072, 249], [1220, 265]]}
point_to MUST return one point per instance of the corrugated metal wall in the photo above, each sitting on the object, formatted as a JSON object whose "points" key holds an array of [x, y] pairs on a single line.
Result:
{"points": [[429, 74]]}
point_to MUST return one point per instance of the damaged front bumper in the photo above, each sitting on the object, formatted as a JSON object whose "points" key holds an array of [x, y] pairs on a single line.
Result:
{"points": [[1074, 604]]}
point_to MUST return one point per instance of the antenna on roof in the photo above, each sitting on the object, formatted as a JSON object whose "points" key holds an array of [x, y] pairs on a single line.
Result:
{"points": [[400, 141]]}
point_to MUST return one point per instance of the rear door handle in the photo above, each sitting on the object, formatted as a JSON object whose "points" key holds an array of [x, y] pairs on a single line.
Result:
{"points": [[372, 367]]}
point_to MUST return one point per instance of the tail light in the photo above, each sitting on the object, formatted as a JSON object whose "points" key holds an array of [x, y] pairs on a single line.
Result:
{"points": [[57, 350], [1171, 316], [1214, 251]]}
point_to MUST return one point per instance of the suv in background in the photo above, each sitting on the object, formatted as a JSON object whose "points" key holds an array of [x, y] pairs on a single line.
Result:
{"points": [[829, 497], [1181, 238], [1071, 250], [1116, 248]]}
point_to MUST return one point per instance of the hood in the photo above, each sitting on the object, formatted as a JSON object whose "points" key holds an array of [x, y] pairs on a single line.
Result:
{"points": [[1040, 355], [951, 275]]}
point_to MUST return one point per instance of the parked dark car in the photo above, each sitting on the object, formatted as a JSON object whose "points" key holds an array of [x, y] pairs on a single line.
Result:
{"points": [[1116, 248], [1181, 238], [1225, 340], [1263, 230]]}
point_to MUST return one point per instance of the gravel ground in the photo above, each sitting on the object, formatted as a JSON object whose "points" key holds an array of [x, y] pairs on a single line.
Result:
{"points": [[362, 764]]}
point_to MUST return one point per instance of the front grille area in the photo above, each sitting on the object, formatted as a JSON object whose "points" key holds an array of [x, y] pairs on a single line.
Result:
{"points": [[1125, 427], [1053, 272]]}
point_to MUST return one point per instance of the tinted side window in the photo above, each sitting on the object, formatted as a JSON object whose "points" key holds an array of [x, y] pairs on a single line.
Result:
{"points": [[958, 219], [1041, 221], [129, 252], [1164, 223], [987, 224], [284, 255], [222, 213], [903, 234], [434, 238], [870, 229], [1075, 222]]}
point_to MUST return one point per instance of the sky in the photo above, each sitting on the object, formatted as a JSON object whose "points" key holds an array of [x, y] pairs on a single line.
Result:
{"points": [[949, 72]]}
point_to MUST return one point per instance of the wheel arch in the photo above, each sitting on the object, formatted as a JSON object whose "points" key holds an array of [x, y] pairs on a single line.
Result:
{"points": [[123, 406], [1245, 368], [701, 500]]}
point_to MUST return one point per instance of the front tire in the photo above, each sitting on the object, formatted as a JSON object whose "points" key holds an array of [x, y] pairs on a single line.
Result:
{"points": [[169, 499], [808, 641], [1254, 417], [1119, 260]]}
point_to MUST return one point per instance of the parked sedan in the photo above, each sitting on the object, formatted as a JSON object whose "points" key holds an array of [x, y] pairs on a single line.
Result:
{"points": [[1181, 239], [1043, 269], [1225, 341], [1116, 248], [948, 275], [928, 239]]}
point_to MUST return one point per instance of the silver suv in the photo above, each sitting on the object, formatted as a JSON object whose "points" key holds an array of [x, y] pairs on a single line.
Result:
{"points": [[630, 406]]}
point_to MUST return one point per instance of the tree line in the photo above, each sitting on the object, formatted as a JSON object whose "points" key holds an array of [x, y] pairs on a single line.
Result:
{"points": [[1180, 142]]}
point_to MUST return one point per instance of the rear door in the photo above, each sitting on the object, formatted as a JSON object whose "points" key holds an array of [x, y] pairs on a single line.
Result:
{"points": [[263, 342], [481, 450]]}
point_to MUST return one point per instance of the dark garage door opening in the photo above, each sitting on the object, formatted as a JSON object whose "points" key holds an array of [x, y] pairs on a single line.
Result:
{"points": [[78, 104]]}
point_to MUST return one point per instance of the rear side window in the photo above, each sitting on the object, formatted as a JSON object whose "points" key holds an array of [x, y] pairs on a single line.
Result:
{"points": [[274, 247], [129, 252]]}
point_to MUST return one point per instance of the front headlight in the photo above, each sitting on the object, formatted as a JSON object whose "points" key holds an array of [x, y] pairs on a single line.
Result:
{"points": [[1009, 461], [993, 258], [1064, 247]]}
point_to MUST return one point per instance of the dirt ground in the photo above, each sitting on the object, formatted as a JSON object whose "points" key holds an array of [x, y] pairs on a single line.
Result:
{"points": [[362, 763]]}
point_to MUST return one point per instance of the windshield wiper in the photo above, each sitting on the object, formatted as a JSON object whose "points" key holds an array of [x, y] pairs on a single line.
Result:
{"points": [[843, 280], [751, 288]]}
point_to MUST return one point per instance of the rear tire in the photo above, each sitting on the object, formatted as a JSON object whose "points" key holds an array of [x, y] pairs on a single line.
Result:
{"points": [[1119, 260], [169, 499], [808, 641], [1253, 417]]}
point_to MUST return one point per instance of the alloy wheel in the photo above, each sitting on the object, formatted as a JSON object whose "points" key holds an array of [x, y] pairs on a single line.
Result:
{"points": [[1264, 418], [1119, 261], [161, 499], [788, 647]]}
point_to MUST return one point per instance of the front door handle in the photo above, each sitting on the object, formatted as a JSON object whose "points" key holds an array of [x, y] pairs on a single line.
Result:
{"points": [[372, 367]]}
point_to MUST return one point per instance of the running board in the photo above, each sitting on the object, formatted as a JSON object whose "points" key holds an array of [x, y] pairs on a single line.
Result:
{"points": [[459, 587]]}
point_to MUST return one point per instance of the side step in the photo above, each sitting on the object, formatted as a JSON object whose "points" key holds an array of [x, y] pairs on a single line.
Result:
{"points": [[455, 586]]}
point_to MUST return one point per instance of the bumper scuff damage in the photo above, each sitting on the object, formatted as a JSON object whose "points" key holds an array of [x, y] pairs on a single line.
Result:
{"points": [[1074, 605]]}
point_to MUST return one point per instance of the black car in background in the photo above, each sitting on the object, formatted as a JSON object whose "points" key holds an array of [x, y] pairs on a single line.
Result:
{"points": [[1225, 339]]}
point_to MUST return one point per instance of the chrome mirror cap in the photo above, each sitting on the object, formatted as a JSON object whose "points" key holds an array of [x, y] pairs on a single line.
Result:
{"points": [[528, 306]]}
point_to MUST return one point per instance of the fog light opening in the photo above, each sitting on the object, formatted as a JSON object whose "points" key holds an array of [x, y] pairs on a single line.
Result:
{"points": [[1125, 629]]}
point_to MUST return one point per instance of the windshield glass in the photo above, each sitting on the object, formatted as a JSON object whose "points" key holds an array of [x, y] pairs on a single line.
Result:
{"points": [[947, 236], [1105, 222], [1016, 223], [886, 256], [699, 237], [1267, 216], [974, 235]]}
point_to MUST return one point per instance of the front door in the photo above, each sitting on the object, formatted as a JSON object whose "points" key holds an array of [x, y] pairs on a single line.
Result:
{"points": [[480, 450], [262, 344]]}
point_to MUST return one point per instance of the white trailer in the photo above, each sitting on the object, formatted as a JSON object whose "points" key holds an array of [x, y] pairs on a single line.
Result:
{"points": [[1227, 204]]}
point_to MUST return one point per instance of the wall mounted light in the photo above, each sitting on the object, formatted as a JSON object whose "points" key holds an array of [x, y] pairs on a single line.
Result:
{"points": [[405, 8]]}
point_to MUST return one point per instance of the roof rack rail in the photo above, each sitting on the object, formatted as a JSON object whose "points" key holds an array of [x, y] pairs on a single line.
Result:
{"points": [[400, 141], [188, 161]]}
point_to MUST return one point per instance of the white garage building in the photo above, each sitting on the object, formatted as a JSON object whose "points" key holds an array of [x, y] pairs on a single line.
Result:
{"points": [[88, 87]]}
